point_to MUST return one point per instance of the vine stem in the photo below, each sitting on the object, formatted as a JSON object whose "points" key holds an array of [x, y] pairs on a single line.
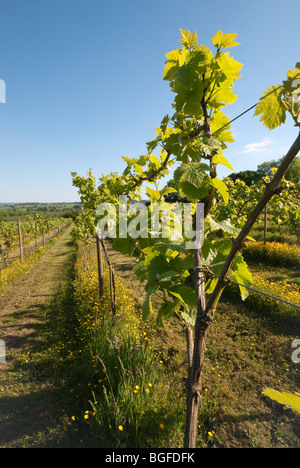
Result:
{"points": [[205, 312]]}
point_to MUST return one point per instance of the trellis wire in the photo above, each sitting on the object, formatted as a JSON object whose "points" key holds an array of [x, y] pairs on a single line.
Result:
{"points": [[234, 119], [231, 121], [261, 292]]}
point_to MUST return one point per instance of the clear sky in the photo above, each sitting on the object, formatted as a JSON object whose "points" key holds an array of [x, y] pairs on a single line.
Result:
{"points": [[84, 83]]}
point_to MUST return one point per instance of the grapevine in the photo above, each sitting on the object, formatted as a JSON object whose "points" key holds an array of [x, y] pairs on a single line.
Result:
{"points": [[193, 140]]}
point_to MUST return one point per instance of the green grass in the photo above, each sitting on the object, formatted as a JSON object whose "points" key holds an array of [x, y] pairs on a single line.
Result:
{"points": [[124, 385], [291, 275], [121, 383], [248, 349], [275, 233]]}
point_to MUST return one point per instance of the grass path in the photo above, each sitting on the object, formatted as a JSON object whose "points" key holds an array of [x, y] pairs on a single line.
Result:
{"points": [[31, 407]]}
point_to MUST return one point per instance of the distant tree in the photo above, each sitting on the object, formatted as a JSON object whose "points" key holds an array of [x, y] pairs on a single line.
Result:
{"points": [[265, 170], [249, 177], [292, 174]]}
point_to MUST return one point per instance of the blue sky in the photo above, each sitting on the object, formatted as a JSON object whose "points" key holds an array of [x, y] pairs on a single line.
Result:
{"points": [[84, 83]]}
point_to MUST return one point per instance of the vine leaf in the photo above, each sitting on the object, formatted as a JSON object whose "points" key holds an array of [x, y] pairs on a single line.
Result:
{"points": [[192, 193], [220, 159], [147, 308], [188, 40], [224, 41], [289, 400], [242, 275], [271, 108], [166, 310], [194, 173], [222, 188]]}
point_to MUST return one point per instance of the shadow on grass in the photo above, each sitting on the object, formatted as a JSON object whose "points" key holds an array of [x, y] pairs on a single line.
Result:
{"points": [[278, 319], [37, 407], [38, 420]]}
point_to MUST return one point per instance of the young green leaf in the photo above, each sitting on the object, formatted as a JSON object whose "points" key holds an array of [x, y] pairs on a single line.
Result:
{"points": [[194, 173], [220, 159], [271, 108], [224, 41], [188, 40], [222, 188], [242, 275], [289, 400], [192, 193], [224, 226], [166, 310], [147, 308], [185, 77], [185, 294]]}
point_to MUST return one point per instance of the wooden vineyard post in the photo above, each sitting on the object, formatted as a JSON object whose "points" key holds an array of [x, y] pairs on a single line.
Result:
{"points": [[113, 290], [20, 240], [113, 287], [265, 224], [35, 234], [100, 267]]}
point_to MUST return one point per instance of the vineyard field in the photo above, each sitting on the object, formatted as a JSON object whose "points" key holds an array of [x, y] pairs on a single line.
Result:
{"points": [[11, 212], [161, 311]]}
